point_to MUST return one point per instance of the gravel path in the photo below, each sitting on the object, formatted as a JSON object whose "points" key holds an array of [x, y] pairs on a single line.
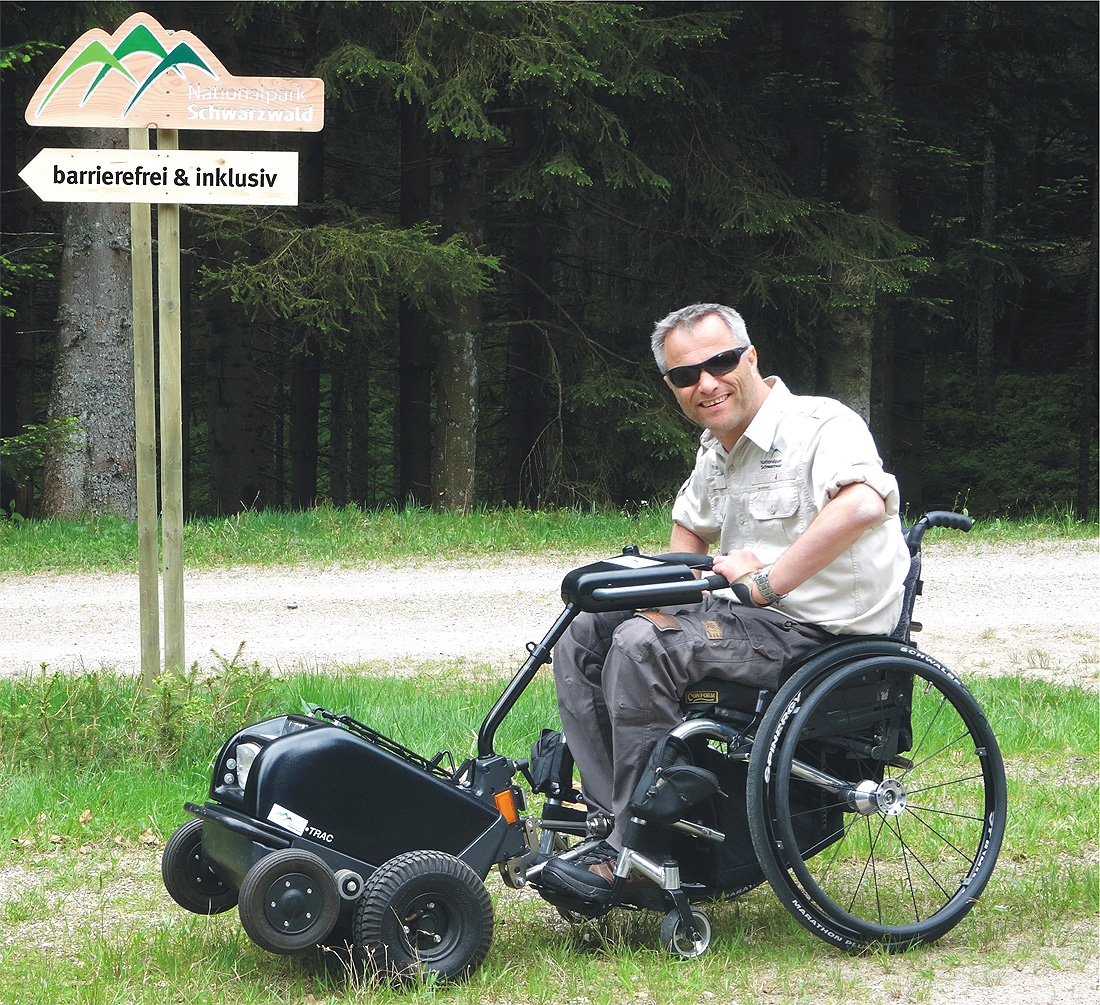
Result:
{"points": [[1028, 610], [997, 609]]}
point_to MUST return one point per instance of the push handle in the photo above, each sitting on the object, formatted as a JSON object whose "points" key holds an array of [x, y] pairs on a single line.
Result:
{"points": [[936, 518], [704, 563], [692, 559]]}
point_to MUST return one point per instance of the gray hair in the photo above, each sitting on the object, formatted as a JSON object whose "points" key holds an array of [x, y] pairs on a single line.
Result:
{"points": [[687, 318]]}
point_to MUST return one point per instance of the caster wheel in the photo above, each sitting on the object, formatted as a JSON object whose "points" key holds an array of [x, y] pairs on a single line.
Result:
{"points": [[571, 916], [424, 913], [676, 940], [187, 875], [289, 901]]}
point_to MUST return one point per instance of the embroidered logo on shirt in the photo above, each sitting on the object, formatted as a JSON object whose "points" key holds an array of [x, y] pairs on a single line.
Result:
{"points": [[772, 459], [713, 629]]}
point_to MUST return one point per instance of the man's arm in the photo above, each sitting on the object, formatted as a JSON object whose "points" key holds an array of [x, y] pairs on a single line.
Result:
{"points": [[841, 522], [686, 540]]}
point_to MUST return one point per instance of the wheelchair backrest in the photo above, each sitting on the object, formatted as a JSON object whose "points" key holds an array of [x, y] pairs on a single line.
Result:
{"points": [[913, 586]]}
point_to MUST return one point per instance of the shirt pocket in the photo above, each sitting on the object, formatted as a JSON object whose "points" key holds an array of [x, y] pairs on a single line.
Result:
{"points": [[776, 508], [718, 498]]}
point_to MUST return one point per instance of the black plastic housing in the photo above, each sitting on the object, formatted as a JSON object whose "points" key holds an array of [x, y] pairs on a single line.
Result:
{"points": [[346, 798]]}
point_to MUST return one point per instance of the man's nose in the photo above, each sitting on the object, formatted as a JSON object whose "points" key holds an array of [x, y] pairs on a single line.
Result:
{"points": [[707, 382]]}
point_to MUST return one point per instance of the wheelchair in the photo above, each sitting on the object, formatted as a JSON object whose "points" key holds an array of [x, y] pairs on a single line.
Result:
{"points": [[868, 791]]}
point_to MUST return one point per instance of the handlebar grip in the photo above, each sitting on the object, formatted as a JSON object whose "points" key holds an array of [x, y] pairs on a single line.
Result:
{"points": [[691, 559], [945, 518], [937, 518], [716, 582]]}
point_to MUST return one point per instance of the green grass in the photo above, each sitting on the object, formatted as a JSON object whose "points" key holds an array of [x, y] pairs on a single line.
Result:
{"points": [[325, 536], [351, 536], [93, 774], [89, 801]]}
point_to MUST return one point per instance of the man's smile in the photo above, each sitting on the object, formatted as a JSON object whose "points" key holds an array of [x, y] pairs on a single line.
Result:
{"points": [[710, 403]]}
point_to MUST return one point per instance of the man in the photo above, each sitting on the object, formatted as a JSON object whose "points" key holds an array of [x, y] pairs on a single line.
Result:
{"points": [[793, 490]]}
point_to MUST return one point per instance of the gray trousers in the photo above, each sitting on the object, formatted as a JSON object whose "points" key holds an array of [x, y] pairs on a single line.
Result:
{"points": [[619, 678]]}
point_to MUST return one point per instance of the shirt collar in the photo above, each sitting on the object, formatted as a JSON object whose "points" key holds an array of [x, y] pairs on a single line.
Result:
{"points": [[762, 429]]}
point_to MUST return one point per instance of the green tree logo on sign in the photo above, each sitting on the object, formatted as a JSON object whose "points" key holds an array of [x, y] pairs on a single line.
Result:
{"points": [[137, 76], [138, 40]]}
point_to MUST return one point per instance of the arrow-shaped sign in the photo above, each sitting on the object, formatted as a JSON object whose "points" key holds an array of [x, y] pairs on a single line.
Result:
{"points": [[195, 177]]}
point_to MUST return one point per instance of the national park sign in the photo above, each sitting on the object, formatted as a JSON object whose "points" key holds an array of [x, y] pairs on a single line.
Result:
{"points": [[144, 76]]}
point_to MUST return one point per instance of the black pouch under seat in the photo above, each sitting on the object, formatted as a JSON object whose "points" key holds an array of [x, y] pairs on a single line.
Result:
{"points": [[671, 784], [731, 867]]}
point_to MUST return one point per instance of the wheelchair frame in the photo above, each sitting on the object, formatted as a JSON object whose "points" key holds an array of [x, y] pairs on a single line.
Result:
{"points": [[914, 839], [875, 809]]}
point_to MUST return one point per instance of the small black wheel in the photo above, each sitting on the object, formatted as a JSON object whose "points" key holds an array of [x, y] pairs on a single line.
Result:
{"points": [[188, 877], [901, 851], [572, 917], [289, 901], [676, 940], [421, 913]]}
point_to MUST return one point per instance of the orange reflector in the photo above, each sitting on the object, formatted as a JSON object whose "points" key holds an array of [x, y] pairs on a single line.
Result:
{"points": [[507, 806]]}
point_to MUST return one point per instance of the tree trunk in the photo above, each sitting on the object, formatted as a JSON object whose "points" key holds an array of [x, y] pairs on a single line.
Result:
{"points": [[1085, 497], [305, 411], [802, 48], [526, 413], [856, 180], [985, 365], [17, 210], [238, 413], [305, 364], [457, 385], [414, 370], [94, 369], [359, 389], [17, 389], [338, 431]]}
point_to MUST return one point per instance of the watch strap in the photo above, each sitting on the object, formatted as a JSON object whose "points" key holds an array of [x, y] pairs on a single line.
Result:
{"points": [[760, 578]]}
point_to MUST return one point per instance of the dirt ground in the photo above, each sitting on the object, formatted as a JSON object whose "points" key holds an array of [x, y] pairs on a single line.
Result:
{"points": [[1005, 610]]}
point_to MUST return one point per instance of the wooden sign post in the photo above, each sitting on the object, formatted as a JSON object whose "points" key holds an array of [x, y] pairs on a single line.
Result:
{"points": [[143, 77]]}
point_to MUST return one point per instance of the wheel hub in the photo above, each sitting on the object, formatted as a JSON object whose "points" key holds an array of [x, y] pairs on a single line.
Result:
{"points": [[887, 797], [292, 904], [204, 878], [426, 926]]}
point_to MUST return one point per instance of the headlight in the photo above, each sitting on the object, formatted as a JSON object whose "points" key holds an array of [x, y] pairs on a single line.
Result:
{"points": [[245, 754]]}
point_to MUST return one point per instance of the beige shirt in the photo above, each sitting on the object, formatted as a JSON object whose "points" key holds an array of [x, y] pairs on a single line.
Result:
{"points": [[796, 454]]}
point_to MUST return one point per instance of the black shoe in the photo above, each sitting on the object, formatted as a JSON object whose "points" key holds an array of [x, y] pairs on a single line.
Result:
{"points": [[590, 879]]}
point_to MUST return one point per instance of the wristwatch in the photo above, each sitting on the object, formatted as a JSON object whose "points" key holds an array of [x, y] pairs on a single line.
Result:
{"points": [[760, 578]]}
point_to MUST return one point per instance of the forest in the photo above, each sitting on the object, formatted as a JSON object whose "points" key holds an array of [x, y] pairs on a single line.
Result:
{"points": [[900, 198]]}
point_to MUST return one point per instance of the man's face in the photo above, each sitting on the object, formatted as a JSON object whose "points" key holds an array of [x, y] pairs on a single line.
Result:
{"points": [[725, 405]]}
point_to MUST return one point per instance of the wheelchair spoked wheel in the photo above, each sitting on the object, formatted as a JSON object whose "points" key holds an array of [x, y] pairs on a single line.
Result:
{"points": [[911, 838]]}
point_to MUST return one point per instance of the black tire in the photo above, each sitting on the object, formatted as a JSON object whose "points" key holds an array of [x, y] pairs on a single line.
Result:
{"points": [[674, 939], [188, 876], [424, 913], [907, 865], [289, 902]]}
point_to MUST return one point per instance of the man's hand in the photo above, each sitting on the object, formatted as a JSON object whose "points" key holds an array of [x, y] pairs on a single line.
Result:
{"points": [[737, 564]]}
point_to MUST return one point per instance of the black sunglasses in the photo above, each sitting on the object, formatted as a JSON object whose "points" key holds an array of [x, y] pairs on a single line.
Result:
{"points": [[724, 362]]}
